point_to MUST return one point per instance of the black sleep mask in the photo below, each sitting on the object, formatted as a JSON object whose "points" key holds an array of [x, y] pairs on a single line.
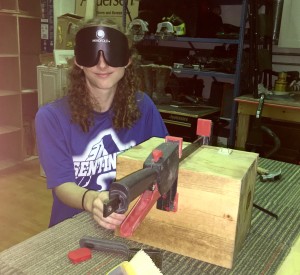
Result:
{"points": [[90, 41]]}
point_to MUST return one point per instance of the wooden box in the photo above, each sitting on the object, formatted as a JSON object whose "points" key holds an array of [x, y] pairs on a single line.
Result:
{"points": [[214, 208]]}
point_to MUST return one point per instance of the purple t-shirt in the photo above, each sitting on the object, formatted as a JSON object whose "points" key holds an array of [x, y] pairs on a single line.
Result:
{"points": [[67, 154]]}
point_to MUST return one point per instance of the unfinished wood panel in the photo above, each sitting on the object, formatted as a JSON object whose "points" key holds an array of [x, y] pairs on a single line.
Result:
{"points": [[10, 147], [11, 5], [215, 203], [30, 7], [28, 71], [7, 105], [10, 75], [27, 26], [8, 25]]}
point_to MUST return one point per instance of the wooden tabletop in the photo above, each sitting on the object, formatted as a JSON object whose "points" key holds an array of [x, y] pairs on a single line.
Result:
{"points": [[189, 110], [283, 101]]}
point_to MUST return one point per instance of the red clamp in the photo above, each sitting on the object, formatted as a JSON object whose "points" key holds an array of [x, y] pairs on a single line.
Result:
{"points": [[139, 212], [176, 139], [156, 155], [150, 197], [204, 129]]}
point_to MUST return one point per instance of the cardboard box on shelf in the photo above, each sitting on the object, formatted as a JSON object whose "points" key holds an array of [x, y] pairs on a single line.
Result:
{"points": [[114, 10], [67, 26]]}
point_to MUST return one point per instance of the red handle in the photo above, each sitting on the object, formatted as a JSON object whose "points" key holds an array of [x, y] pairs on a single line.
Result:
{"points": [[139, 212]]}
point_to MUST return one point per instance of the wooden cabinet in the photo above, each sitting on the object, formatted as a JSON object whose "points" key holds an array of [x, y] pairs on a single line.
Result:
{"points": [[19, 56], [52, 82]]}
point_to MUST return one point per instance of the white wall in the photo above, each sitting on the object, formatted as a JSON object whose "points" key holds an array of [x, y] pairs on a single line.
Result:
{"points": [[290, 25]]}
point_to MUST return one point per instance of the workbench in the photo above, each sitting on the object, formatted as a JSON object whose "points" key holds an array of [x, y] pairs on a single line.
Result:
{"points": [[264, 250], [283, 110], [181, 120]]}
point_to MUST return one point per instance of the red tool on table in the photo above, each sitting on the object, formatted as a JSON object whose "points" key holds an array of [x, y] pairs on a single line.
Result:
{"points": [[156, 182]]}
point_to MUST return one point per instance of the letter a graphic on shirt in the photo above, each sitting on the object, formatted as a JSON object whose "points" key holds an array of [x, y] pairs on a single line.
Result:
{"points": [[96, 167]]}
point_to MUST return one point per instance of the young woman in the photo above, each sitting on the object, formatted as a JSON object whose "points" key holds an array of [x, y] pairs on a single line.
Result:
{"points": [[103, 113]]}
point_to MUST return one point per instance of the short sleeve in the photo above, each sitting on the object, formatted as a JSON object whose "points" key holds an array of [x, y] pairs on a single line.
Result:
{"points": [[54, 152]]}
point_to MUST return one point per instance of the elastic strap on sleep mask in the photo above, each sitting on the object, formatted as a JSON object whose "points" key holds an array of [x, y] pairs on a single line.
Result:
{"points": [[89, 41]]}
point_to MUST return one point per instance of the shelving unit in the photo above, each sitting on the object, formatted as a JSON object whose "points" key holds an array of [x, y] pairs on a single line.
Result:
{"points": [[235, 77], [19, 56]]}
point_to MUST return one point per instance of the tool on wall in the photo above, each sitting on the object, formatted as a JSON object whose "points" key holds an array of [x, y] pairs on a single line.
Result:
{"points": [[156, 182]]}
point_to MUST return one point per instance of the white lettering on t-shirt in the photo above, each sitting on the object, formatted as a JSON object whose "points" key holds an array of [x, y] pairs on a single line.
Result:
{"points": [[98, 162]]}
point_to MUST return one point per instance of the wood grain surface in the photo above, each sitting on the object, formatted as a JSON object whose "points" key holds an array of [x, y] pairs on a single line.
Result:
{"points": [[215, 203]]}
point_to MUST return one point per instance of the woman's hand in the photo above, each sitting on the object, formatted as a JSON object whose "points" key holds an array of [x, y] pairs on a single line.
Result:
{"points": [[110, 222], [91, 201]]}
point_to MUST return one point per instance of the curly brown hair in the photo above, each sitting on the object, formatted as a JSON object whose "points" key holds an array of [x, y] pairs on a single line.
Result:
{"points": [[124, 107]]}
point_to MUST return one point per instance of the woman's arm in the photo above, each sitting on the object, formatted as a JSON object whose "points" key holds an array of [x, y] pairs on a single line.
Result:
{"points": [[92, 201]]}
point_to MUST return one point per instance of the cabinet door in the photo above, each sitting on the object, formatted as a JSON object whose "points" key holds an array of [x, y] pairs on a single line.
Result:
{"points": [[49, 84]]}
